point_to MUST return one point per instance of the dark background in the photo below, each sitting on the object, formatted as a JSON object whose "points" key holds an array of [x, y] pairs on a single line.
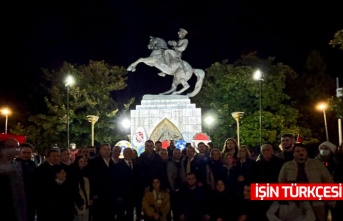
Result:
{"points": [[43, 35]]}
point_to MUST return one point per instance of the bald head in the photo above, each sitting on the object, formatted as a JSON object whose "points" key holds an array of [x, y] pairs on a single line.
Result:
{"points": [[9, 149]]}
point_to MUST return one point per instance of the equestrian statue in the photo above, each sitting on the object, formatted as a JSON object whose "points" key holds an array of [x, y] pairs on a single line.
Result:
{"points": [[169, 62]]}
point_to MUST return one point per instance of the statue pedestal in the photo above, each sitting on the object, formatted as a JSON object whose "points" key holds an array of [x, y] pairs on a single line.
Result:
{"points": [[166, 117]]}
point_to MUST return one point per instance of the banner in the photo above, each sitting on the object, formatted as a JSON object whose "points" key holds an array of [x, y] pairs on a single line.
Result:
{"points": [[296, 191]]}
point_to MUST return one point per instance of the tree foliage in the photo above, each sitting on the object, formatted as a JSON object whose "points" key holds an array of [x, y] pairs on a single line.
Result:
{"points": [[90, 95], [313, 86], [337, 40], [231, 87], [336, 103]]}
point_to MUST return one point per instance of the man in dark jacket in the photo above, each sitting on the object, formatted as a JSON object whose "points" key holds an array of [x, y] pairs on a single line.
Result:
{"points": [[28, 167], [103, 184]]}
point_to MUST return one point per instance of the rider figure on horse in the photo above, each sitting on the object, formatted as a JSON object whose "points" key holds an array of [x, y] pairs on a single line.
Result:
{"points": [[178, 47]]}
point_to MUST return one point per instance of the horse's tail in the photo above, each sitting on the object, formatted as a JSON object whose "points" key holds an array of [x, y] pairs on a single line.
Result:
{"points": [[200, 74]]}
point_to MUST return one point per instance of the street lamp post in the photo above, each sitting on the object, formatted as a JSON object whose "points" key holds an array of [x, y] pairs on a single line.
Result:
{"points": [[6, 112], [258, 77], [92, 119], [69, 81], [237, 115], [339, 94], [323, 107]]}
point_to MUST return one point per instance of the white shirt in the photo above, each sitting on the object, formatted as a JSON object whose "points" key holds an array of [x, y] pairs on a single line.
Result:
{"points": [[128, 163]]}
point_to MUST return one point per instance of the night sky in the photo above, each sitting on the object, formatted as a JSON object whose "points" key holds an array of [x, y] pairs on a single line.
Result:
{"points": [[44, 35]]}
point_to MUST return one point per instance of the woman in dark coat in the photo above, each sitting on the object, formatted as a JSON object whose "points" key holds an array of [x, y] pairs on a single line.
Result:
{"points": [[222, 205], [62, 197]]}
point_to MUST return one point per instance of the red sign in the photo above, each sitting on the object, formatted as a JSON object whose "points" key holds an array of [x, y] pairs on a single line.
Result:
{"points": [[201, 136], [299, 138], [296, 191], [20, 138], [165, 144]]}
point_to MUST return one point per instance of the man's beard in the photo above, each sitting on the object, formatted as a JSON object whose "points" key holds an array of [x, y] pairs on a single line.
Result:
{"points": [[301, 158], [287, 148]]}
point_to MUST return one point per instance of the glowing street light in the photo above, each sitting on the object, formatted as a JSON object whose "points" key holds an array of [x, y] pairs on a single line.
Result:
{"points": [[126, 123], [68, 82], [323, 106], [209, 120], [258, 77], [6, 112]]}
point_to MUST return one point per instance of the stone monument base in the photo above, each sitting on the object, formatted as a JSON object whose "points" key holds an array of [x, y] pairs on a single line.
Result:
{"points": [[166, 117]]}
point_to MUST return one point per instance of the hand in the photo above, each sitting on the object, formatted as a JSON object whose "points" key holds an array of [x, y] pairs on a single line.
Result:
{"points": [[172, 43], [241, 178], [243, 218], [207, 217], [90, 202], [156, 216]]}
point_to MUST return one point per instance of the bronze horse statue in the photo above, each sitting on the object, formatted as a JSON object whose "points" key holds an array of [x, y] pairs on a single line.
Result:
{"points": [[180, 69]]}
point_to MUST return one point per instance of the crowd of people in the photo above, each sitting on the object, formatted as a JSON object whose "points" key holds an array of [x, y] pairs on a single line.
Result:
{"points": [[193, 184]]}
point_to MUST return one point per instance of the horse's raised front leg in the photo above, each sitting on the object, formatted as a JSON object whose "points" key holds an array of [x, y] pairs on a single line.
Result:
{"points": [[148, 61], [132, 66]]}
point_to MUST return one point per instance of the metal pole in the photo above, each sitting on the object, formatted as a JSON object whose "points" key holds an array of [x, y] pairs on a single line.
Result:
{"points": [[338, 94], [326, 126], [68, 140], [6, 121], [260, 112], [238, 132], [340, 131], [92, 132]]}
